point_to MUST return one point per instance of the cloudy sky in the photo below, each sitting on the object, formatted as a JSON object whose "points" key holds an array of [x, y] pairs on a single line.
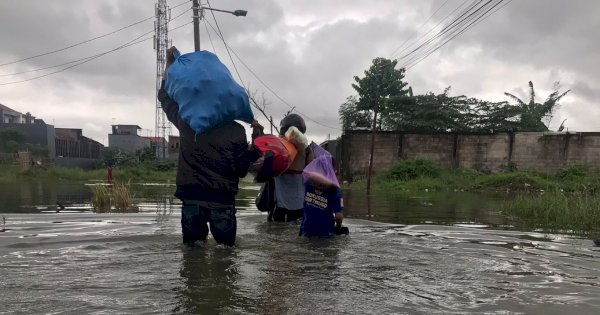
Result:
{"points": [[305, 51]]}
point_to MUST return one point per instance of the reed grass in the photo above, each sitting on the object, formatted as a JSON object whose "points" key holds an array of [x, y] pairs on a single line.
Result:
{"points": [[565, 212], [115, 198]]}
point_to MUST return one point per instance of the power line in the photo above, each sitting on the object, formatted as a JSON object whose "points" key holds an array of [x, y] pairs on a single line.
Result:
{"points": [[209, 37], [135, 41], [182, 13], [479, 19], [220, 34], [436, 11], [223, 38], [77, 44], [80, 59], [433, 28], [85, 41], [455, 23], [451, 28], [269, 88]]}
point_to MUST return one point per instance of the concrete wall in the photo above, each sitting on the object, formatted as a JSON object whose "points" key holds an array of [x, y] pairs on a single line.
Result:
{"points": [[128, 143], [78, 149], [544, 152]]}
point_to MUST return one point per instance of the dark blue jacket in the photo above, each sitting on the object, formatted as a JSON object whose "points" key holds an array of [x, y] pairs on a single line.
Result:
{"points": [[210, 164]]}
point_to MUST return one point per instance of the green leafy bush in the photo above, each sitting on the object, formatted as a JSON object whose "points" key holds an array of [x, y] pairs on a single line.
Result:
{"points": [[413, 169]]}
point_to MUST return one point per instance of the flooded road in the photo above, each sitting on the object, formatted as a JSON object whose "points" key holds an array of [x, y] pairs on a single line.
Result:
{"points": [[414, 254]]}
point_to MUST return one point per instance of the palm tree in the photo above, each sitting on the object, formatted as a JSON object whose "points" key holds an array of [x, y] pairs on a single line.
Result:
{"points": [[532, 113]]}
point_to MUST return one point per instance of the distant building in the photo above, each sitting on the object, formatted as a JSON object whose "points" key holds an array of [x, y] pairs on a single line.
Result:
{"points": [[126, 138], [73, 149], [36, 131], [10, 116], [330, 146], [173, 147], [158, 143], [72, 143]]}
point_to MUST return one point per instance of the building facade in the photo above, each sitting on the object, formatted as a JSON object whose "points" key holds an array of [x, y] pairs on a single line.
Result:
{"points": [[36, 131], [126, 138]]}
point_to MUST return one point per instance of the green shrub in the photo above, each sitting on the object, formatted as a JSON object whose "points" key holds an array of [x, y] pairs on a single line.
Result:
{"points": [[556, 211], [516, 181], [413, 169], [575, 172]]}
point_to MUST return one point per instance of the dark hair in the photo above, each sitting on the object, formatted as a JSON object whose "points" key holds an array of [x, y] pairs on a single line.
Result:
{"points": [[292, 120]]}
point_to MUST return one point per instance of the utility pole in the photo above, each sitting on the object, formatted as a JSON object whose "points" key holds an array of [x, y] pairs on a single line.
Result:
{"points": [[197, 11], [372, 148], [376, 103]]}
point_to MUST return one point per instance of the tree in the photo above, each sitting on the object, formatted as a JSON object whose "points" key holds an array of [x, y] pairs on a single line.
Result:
{"points": [[427, 113], [352, 118], [532, 113], [12, 135], [146, 154], [11, 140], [381, 82]]}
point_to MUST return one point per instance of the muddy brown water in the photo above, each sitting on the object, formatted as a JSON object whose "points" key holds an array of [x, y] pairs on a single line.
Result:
{"points": [[413, 253]]}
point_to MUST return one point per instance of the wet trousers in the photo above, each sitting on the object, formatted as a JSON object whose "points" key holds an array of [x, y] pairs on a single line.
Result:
{"points": [[197, 216], [284, 215]]}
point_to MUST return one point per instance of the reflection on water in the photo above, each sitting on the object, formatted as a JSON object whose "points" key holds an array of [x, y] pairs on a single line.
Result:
{"points": [[424, 207], [435, 258], [394, 207]]}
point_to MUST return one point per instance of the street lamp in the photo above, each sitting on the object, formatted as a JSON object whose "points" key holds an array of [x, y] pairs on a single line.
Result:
{"points": [[236, 12], [198, 7]]}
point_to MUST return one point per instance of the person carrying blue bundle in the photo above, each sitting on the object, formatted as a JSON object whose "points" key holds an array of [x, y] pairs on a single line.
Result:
{"points": [[323, 202], [211, 159]]}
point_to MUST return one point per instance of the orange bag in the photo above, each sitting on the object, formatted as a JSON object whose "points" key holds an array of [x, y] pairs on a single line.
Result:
{"points": [[290, 147]]}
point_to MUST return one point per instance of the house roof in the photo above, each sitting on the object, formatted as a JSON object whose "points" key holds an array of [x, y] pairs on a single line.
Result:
{"points": [[4, 107], [84, 138]]}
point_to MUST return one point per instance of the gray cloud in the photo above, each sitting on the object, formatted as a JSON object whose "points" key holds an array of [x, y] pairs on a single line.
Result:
{"points": [[307, 52]]}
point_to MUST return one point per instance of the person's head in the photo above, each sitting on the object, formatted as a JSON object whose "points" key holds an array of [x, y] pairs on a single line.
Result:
{"points": [[292, 120]]}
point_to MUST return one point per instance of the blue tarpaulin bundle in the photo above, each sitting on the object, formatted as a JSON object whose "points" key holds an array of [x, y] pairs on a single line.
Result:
{"points": [[205, 91]]}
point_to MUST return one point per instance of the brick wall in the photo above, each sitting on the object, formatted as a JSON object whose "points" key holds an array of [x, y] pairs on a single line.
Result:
{"points": [[544, 152]]}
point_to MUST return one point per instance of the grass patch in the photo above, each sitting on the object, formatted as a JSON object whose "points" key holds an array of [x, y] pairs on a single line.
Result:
{"points": [[140, 172], [420, 174], [518, 180], [115, 198], [8, 173], [577, 213]]}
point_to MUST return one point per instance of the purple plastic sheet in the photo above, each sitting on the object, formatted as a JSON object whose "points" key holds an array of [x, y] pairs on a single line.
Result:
{"points": [[320, 172], [318, 150]]}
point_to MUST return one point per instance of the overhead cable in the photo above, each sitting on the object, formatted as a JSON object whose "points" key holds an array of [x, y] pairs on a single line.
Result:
{"points": [[76, 60], [135, 41], [269, 88], [479, 19], [424, 23], [85, 41]]}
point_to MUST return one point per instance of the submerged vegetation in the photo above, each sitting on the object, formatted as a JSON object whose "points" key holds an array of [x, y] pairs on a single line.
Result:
{"points": [[576, 212], [567, 202], [112, 198]]}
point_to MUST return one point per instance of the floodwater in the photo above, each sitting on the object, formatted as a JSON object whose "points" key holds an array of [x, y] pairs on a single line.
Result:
{"points": [[420, 253]]}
